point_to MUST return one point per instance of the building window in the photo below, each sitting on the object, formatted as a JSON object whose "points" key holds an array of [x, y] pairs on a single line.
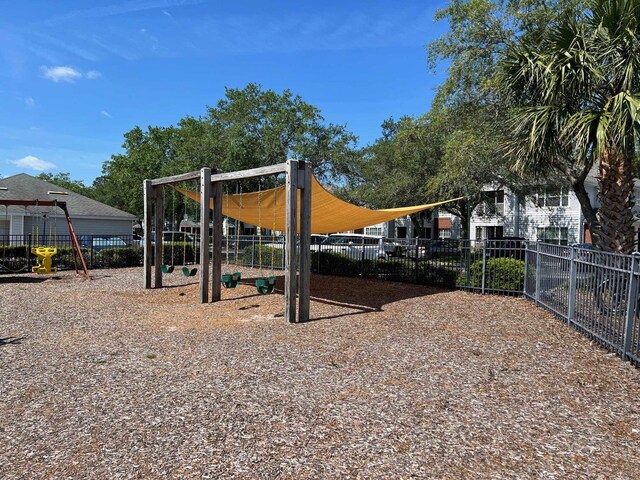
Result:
{"points": [[373, 231], [489, 232], [552, 197], [556, 235], [445, 233], [492, 203]]}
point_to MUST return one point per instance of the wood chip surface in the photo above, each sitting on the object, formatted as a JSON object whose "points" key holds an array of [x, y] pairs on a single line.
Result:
{"points": [[102, 379]]}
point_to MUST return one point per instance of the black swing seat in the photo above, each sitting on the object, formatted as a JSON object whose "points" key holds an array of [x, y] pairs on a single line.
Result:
{"points": [[167, 268], [266, 285], [189, 272], [231, 280]]}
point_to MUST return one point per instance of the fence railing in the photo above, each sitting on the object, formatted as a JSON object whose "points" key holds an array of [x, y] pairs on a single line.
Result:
{"points": [[595, 292]]}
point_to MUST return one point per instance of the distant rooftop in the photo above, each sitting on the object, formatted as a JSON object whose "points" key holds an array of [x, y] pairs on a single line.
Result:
{"points": [[25, 187]]}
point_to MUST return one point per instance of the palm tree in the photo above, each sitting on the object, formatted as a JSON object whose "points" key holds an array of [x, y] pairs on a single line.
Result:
{"points": [[577, 104]]}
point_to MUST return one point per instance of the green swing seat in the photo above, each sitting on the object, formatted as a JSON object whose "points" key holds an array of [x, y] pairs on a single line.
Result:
{"points": [[189, 272], [167, 268], [231, 280], [266, 285]]}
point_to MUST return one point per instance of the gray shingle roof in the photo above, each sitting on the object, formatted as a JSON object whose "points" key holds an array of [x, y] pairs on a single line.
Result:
{"points": [[26, 187]]}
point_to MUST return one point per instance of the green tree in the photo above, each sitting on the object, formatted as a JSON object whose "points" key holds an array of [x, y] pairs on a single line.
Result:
{"points": [[248, 128], [64, 180], [579, 104]]}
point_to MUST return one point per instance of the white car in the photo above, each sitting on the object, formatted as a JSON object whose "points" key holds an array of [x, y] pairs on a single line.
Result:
{"points": [[358, 246]]}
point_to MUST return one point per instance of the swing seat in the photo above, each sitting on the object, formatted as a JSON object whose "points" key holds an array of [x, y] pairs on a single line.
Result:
{"points": [[167, 268], [189, 272], [231, 280], [44, 260], [266, 285]]}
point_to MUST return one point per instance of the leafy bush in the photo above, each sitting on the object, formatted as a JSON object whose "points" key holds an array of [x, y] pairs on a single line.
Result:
{"points": [[64, 258], [331, 263], [270, 256], [501, 274], [119, 257]]}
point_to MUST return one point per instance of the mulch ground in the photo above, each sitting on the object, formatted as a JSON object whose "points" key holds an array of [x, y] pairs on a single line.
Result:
{"points": [[102, 379]]}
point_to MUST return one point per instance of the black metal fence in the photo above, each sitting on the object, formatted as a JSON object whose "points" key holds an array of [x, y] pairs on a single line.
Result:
{"points": [[595, 292], [99, 251], [492, 266]]}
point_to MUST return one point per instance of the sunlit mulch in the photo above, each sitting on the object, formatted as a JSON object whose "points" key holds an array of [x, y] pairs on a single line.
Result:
{"points": [[102, 379]]}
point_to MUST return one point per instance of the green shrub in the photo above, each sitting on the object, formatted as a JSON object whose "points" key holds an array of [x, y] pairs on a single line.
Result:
{"points": [[64, 258], [501, 274], [119, 257], [271, 256], [332, 263]]}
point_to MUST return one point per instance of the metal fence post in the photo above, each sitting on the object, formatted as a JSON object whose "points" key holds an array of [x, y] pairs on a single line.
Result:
{"points": [[91, 253], [573, 277], [253, 251], [632, 304], [29, 253], [526, 269], [538, 264], [484, 265], [416, 262], [362, 259]]}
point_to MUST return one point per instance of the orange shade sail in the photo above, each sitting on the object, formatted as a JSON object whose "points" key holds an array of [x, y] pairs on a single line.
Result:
{"points": [[329, 213]]}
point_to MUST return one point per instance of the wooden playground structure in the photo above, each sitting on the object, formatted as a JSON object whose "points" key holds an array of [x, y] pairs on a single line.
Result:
{"points": [[298, 176]]}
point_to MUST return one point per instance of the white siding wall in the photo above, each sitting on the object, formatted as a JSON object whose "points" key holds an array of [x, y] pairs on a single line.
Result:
{"points": [[82, 226], [532, 217]]}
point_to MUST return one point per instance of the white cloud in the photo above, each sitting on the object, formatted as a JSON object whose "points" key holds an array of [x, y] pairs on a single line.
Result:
{"points": [[67, 74], [30, 102], [61, 74], [167, 14], [105, 113], [34, 163]]}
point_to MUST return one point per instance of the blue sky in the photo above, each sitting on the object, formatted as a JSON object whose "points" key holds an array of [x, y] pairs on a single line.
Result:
{"points": [[76, 75]]}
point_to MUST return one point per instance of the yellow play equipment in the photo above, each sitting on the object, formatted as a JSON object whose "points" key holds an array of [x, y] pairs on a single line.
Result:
{"points": [[44, 260]]}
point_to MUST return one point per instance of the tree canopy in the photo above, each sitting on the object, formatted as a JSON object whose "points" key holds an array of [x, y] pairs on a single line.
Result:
{"points": [[248, 128]]}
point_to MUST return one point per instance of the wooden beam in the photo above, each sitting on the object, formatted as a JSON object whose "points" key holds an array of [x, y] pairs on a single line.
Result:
{"points": [[205, 196], [216, 279], [305, 242], [223, 177], [159, 237], [290, 278], [148, 226], [34, 203], [183, 177], [250, 173]]}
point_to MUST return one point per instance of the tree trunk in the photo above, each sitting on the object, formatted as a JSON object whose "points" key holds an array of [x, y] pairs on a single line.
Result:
{"points": [[616, 192]]}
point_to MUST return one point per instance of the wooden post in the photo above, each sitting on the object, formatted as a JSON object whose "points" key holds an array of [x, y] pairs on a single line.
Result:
{"points": [[148, 226], [205, 214], [305, 241], [290, 283], [216, 280], [159, 237]]}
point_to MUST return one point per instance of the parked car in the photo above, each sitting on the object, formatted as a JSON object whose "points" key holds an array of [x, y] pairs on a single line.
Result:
{"points": [[510, 247], [97, 242], [357, 246], [171, 236], [428, 249]]}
